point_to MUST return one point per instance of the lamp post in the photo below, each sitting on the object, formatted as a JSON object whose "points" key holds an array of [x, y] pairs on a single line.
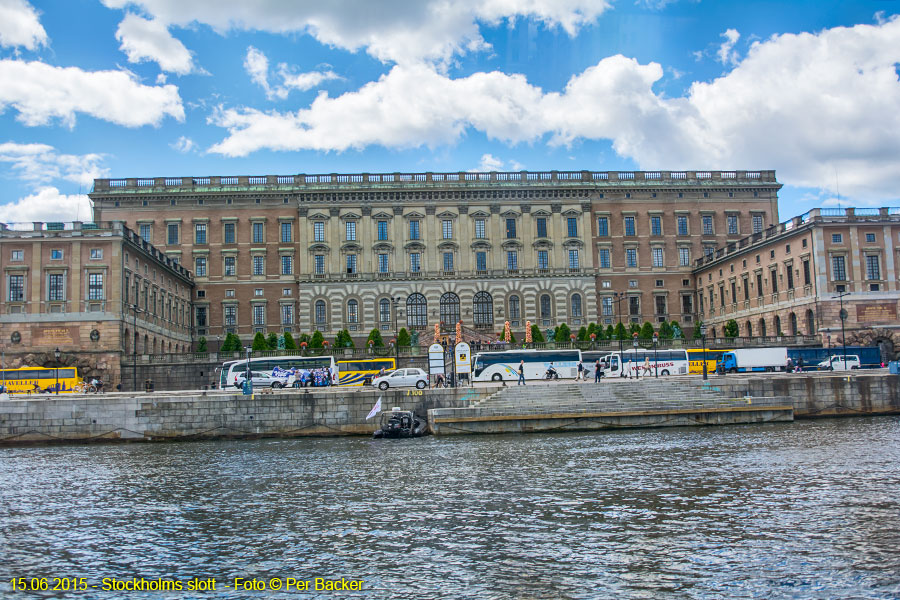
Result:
{"points": [[634, 342], [395, 302], [655, 355], [247, 378], [134, 351], [618, 297], [843, 315], [703, 337], [56, 354]]}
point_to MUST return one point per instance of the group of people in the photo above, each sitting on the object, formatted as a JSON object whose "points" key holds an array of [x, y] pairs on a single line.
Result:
{"points": [[794, 367], [552, 373], [316, 377]]}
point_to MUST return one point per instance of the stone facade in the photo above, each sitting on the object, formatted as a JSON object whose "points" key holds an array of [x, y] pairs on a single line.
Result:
{"points": [[794, 278], [65, 287], [330, 252]]}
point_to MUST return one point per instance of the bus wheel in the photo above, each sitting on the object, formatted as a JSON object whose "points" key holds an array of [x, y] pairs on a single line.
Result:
{"points": [[664, 372], [496, 377]]}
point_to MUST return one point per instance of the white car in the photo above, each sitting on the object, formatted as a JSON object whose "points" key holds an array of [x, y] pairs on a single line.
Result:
{"points": [[258, 379], [836, 363], [402, 378]]}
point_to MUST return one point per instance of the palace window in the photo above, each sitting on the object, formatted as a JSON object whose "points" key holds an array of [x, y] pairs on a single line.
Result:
{"points": [[604, 258], [319, 312], [287, 233], [656, 255], [55, 287], [447, 229], [479, 229], [684, 257], [481, 261], [382, 231], [230, 316], [873, 268], [707, 222], [200, 266], [319, 231], [95, 286], [629, 226], [416, 311], [351, 263], [414, 229], [543, 259], [602, 227], [542, 227], [607, 306], [258, 233], [449, 308], [230, 266], [631, 257], [757, 221], [415, 262], [483, 305], [448, 262], [573, 258], [838, 269], [259, 265], [145, 233], [259, 314], [384, 310], [655, 225], [287, 265], [732, 224], [352, 311], [200, 233], [229, 233], [287, 314], [572, 227], [576, 307], [319, 264], [172, 233], [382, 263], [510, 228], [512, 260], [515, 308], [682, 222]]}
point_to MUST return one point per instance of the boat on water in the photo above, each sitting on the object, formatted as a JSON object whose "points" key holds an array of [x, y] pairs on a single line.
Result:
{"points": [[400, 424]]}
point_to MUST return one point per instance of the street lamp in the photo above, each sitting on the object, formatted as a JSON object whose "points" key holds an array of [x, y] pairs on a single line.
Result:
{"points": [[247, 378], [655, 355], [134, 350], [634, 341], [618, 297], [56, 354], [396, 303], [843, 315], [703, 337]]}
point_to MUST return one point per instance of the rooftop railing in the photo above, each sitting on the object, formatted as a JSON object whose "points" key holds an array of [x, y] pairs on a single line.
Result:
{"points": [[463, 178]]}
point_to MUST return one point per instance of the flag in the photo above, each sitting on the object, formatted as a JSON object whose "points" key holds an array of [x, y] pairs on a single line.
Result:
{"points": [[375, 409]]}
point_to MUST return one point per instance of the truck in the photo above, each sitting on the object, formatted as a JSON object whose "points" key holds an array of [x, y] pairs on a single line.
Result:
{"points": [[753, 359]]}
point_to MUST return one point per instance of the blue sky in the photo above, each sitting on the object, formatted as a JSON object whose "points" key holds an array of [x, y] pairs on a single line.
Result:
{"points": [[144, 88]]}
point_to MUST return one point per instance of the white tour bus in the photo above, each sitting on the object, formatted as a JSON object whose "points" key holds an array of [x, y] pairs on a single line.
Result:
{"points": [[229, 371], [631, 363], [499, 366]]}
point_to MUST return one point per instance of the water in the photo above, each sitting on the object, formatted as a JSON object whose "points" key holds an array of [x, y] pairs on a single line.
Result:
{"points": [[799, 510]]}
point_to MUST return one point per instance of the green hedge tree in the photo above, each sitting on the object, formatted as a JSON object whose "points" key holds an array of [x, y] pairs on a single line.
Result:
{"points": [[403, 338], [232, 343], [696, 335], [317, 340], [634, 328], [259, 342], [375, 338], [620, 333], [731, 329], [201, 345], [562, 333], [665, 331], [582, 334], [272, 341], [537, 336], [289, 343], [646, 332]]}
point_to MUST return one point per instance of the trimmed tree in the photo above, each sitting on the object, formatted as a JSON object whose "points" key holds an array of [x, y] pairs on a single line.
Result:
{"points": [[620, 333], [317, 340], [201, 345], [259, 342], [583, 334], [403, 338], [562, 333], [696, 335], [665, 331], [609, 334], [731, 329], [289, 343], [646, 332], [537, 336], [272, 341], [232, 343], [634, 328], [375, 338]]}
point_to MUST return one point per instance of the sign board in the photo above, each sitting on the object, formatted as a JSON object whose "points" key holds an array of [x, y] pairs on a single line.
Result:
{"points": [[463, 358], [436, 359], [54, 336], [876, 312]]}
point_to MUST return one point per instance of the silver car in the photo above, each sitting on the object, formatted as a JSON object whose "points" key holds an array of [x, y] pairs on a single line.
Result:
{"points": [[402, 378], [258, 379]]}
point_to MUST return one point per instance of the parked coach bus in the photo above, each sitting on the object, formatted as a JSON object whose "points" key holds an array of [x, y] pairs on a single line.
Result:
{"points": [[362, 371], [631, 363], [27, 380], [228, 373], [504, 366]]}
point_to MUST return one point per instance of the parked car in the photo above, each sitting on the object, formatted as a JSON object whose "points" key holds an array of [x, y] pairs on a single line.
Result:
{"points": [[836, 363], [258, 379], [402, 378]]}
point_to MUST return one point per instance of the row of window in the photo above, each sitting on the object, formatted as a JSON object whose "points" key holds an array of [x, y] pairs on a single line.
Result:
{"points": [[634, 305], [447, 261], [414, 228], [681, 225], [257, 263], [56, 287], [55, 254], [229, 231]]}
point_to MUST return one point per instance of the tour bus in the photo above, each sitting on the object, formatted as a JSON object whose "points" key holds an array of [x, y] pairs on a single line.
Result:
{"points": [[28, 380], [362, 371], [229, 371], [504, 366], [695, 357], [631, 363]]}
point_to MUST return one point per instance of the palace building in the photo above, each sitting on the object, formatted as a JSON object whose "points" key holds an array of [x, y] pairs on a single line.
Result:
{"points": [[360, 251]]}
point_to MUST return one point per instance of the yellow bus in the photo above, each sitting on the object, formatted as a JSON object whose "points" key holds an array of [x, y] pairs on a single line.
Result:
{"points": [[28, 380], [695, 358], [361, 372]]}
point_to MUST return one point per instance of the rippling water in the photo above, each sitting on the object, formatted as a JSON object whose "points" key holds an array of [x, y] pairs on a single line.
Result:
{"points": [[803, 510]]}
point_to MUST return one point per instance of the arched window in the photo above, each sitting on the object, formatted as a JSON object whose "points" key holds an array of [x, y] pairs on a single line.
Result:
{"points": [[127, 339], [810, 323], [146, 348], [352, 311], [450, 308], [484, 309], [546, 309], [762, 327], [320, 312], [416, 311], [793, 320], [384, 311], [515, 310], [749, 330], [576, 306], [777, 325]]}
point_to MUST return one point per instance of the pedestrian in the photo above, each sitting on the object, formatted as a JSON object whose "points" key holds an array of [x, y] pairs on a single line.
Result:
{"points": [[439, 383], [790, 366], [800, 365], [647, 369], [521, 373], [597, 373], [580, 375]]}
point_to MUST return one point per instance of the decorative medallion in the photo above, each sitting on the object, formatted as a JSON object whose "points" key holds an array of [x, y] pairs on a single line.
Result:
{"points": [[95, 335], [16, 337]]}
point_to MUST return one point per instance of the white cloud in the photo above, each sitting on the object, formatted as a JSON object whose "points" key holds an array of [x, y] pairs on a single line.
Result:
{"points": [[397, 30], [41, 163], [793, 104], [20, 26], [183, 144], [727, 55], [113, 96], [47, 204], [150, 40], [256, 64], [489, 162]]}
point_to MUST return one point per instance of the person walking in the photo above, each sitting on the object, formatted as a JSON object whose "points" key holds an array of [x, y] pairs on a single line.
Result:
{"points": [[800, 365], [597, 373], [521, 373], [647, 369], [580, 376]]}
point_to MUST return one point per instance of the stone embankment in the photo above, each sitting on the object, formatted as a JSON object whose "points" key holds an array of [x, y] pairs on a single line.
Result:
{"points": [[292, 413]]}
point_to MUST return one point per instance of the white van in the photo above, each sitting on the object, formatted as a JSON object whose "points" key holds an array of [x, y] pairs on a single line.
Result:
{"points": [[837, 363]]}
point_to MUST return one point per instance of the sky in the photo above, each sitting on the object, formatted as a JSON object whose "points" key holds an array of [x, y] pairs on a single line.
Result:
{"points": [[168, 88]]}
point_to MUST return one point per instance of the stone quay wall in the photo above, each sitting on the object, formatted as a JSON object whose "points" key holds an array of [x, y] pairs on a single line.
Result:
{"points": [[212, 415]]}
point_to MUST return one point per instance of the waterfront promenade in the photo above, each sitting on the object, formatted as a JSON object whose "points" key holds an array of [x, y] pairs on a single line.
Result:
{"points": [[340, 411]]}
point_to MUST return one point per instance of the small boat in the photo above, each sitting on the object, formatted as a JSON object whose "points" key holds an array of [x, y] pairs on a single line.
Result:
{"points": [[400, 424]]}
